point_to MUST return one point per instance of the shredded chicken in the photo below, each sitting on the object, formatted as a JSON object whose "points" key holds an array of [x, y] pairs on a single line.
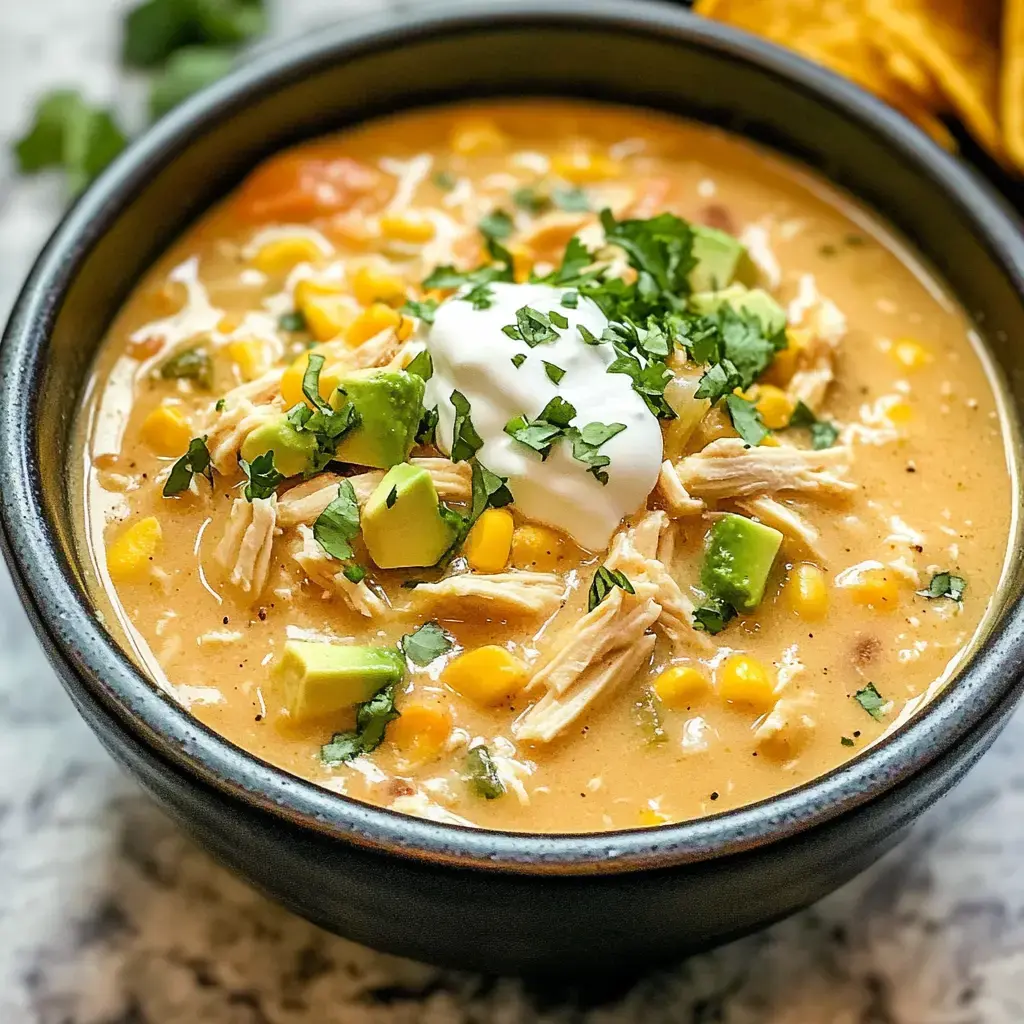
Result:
{"points": [[421, 806], [676, 498], [787, 727], [304, 502], [227, 429], [786, 520], [505, 593], [247, 543], [324, 570], [821, 327], [730, 468]]}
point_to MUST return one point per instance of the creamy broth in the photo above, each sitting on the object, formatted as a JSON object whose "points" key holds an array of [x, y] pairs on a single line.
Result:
{"points": [[842, 646]]}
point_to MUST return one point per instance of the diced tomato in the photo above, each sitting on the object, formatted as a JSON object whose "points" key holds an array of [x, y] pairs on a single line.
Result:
{"points": [[302, 186]]}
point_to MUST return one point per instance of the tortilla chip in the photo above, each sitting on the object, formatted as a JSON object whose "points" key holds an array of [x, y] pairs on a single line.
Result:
{"points": [[1012, 107], [958, 41]]}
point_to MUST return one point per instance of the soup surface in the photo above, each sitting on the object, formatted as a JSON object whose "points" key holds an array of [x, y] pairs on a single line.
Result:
{"points": [[546, 467]]}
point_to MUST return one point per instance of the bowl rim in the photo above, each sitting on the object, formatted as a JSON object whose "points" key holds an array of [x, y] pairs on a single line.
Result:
{"points": [[89, 657]]}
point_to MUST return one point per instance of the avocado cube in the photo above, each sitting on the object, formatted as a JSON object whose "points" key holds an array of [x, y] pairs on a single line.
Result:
{"points": [[318, 679], [748, 300], [721, 259], [293, 449], [402, 522], [738, 555], [390, 405]]}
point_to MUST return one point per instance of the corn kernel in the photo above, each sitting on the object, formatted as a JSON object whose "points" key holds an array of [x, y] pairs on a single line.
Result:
{"points": [[310, 288], [775, 406], [166, 431], [784, 365], [281, 255], [899, 412], [130, 556], [649, 817], [744, 680], [679, 684], [489, 542], [581, 167], [421, 731], [371, 322], [327, 316], [410, 227], [910, 354], [877, 589], [477, 137], [537, 547], [291, 380], [405, 328], [250, 356], [769, 441], [371, 284], [229, 323], [487, 675], [807, 591], [523, 258]]}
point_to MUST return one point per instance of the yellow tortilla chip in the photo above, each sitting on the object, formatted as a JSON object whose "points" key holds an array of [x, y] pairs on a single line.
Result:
{"points": [[1012, 85], [958, 41]]}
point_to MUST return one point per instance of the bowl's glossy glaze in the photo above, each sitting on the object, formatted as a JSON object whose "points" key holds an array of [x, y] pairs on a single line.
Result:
{"points": [[472, 898]]}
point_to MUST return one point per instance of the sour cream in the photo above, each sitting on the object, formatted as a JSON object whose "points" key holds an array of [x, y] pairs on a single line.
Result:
{"points": [[471, 354]]}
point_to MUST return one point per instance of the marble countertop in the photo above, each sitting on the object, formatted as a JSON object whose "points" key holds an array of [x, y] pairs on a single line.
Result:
{"points": [[108, 915]]}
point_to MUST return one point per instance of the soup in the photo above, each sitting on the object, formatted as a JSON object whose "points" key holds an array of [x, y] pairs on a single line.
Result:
{"points": [[544, 466]]}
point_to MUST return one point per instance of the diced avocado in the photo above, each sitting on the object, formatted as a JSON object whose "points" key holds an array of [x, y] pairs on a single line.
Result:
{"points": [[721, 259], [318, 679], [293, 449], [738, 555], [402, 522], [390, 404], [752, 300]]}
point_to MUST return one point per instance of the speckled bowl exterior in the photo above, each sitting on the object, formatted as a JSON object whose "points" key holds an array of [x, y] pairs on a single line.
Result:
{"points": [[470, 898]]}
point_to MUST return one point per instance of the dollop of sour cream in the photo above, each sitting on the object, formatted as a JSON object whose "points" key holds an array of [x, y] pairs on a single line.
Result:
{"points": [[472, 355]]}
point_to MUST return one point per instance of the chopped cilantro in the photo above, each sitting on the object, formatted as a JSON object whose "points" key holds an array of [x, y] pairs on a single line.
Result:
{"points": [[444, 180], [263, 478], [846, 741], [571, 299], [518, 359], [155, 29], [392, 497], [572, 200], [372, 719], [293, 321], [605, 580], [746, 419], [531, 326], [531, 199], [660, 250], [427, 430], [354, 572], [823, 434], [488, 491], [327, 424], [426, 644], [220, 404], [558, 319], [482, 774], [945, 584], [195, 460], [480, 296], [573, 269], [872, 701], [448, 278], [496, 224], [555, 373], [541, 433], [587, 335], [713, 615], [586, 442], [422, 309], [421, 365], [192, 364], [466, 442], [338, 524]]}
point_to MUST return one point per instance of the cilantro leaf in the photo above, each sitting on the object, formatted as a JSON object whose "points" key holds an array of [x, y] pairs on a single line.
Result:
{"points": [[659, 249], [554, 373], [423, 309], [559, 412], [392, 497], [293, 321], [427, 430], [195, 460], [496, 224], [426, 644], [571, 299], [571, 200], [354, 572], [444, 180], [605, 580], [327, 424], [746, 419], [185, 73], [372, 719], [480, 296], [192, 364], [586, 442], [422, 365], [945, 584], [482, 774], [872, 702], [531, 326], [573, 269], [719, 380], [263, 478], [466, 442], [518, 359], [534, 434], [531, 199], [823, 434], [489, 491], [558, 319], [311, 383], [335, 527], [713, 615]]}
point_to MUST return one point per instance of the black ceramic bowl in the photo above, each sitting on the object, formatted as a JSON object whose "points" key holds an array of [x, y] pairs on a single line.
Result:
{"points": [[473, 898]]}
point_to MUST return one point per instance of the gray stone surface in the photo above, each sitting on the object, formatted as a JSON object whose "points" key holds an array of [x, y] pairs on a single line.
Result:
{"points": [[109, 916]]}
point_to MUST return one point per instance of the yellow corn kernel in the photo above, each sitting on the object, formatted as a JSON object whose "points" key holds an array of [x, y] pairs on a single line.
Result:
{"points": [[581, 167], [807, 591], [775, 406], [250, 356], [899, 412], [310, 288], [371, 284], [910, 354], [421, 731], [489, 542], [327, 316], [649, 817], [769, 441], [371, 322], [784, 365], [523, 258], [477, 137], [877, 589], [279, 256], [229, 323], [407, 227], [744, 680], [487, 675], [538, 548], [679, 684], [166, 431], [130, 557], [291, 380]]}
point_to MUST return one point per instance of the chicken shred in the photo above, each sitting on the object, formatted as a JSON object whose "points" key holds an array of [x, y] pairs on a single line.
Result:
{"points": [[788, 727], [513, 593], [786, 520], [247, 543], [822, 326], [324, 571], [226, 430], [677, 499]]}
